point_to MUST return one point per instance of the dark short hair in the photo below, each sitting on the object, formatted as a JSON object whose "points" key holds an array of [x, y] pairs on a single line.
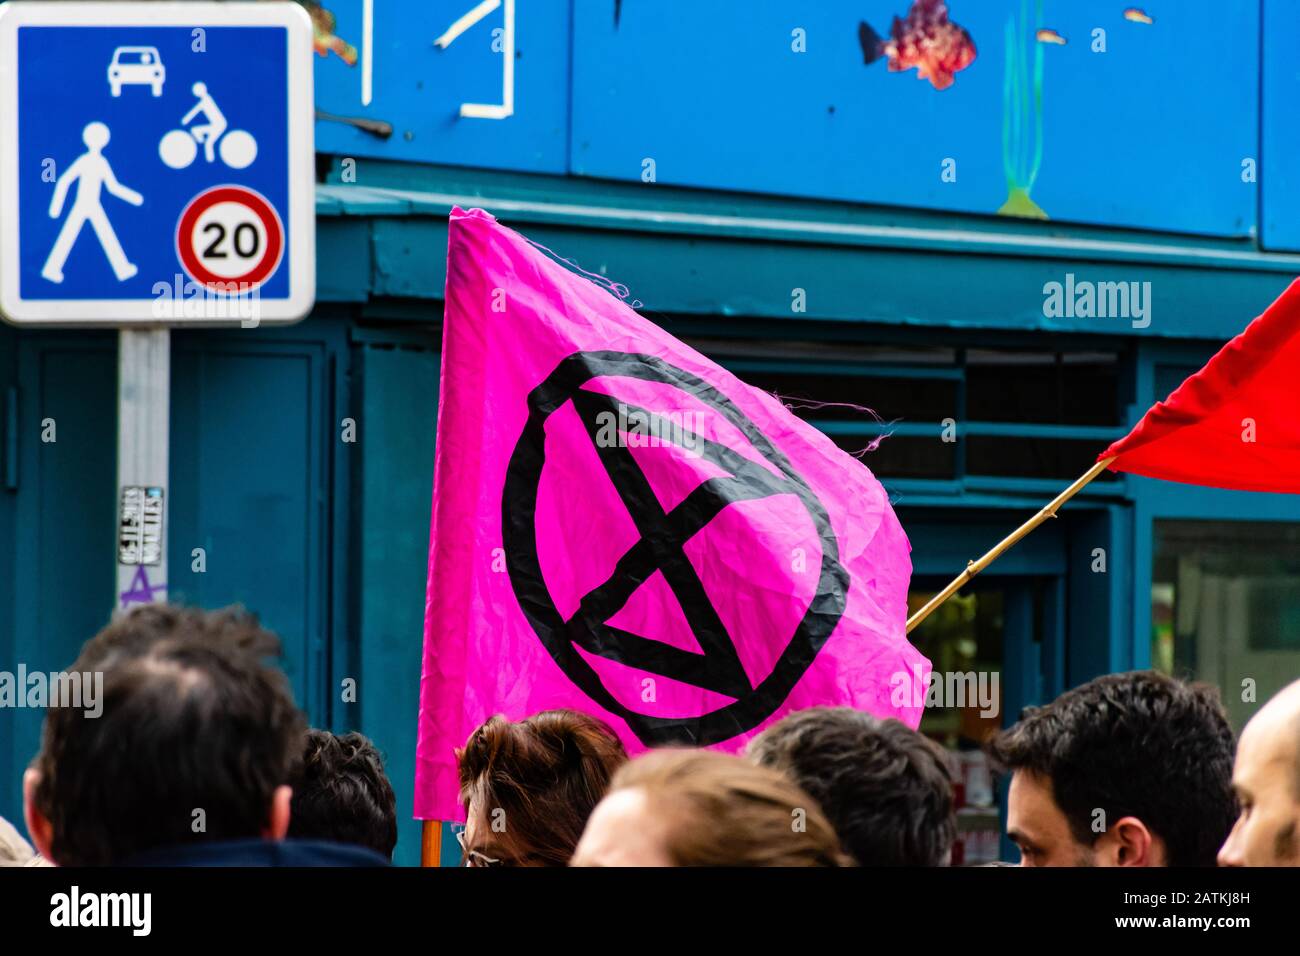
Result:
{"points": [[341, 793], [547, 773], [1139, 744], [886, 789], [193, 718]]}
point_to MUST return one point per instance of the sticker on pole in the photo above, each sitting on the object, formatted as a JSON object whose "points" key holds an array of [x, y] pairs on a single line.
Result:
{"points": [[139, 532], [156, 163]]}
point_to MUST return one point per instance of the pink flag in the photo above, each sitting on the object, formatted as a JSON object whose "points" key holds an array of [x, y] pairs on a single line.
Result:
{"points": [[622, 527]]}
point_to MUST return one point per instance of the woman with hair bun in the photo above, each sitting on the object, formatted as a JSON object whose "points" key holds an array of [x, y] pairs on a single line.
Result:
{"points": [[528, 786]]}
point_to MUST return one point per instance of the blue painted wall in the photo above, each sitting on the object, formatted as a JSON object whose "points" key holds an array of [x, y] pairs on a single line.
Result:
{"points": [[1151, 133], [1279, 132], [419, 88]]}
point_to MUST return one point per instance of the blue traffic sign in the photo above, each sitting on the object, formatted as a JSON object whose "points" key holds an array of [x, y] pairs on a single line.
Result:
{"points": [[156, 163]]}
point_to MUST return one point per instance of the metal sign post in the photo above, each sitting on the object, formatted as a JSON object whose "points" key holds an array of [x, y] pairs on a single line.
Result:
{"points": [[143, 419]]}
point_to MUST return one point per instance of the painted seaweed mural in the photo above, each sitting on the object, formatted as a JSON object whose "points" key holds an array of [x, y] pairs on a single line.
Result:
{"points": [[1022, 113]]}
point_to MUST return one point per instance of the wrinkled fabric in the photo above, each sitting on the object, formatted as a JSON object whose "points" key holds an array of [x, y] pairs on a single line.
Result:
{"points": [[1235, 423], [622, 527]]}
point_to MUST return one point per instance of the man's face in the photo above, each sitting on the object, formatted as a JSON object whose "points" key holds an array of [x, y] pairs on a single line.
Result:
{"points": [[1037, 826], [622, 832], [1267, 781]]}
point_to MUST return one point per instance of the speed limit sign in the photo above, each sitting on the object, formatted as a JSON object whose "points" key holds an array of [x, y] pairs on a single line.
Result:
{"points": [[230, 238]]}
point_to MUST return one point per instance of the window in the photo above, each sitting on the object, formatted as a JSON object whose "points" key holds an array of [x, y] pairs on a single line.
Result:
{"points": [[1225, 607], [945, 413], [1066, 388]]}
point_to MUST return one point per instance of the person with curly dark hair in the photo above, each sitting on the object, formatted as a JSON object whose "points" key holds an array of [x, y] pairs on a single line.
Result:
{"points": [[528, 786], [341, 793], [886, 789], [1130, 769]]}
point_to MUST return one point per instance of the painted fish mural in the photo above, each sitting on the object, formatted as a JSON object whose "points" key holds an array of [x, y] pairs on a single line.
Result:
{"points": [[323, 39], [927, 40], [1048, 35], [1138, 16]]}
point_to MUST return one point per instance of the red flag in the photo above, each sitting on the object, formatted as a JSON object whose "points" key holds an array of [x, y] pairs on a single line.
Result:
{"points": [[1235, 423]]}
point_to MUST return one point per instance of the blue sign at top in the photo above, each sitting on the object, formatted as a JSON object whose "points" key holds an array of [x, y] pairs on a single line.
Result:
{"points": [[156, 163]]}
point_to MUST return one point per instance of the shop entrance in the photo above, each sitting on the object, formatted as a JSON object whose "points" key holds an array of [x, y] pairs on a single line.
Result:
{"points": [[976, 642], [995, 648]]}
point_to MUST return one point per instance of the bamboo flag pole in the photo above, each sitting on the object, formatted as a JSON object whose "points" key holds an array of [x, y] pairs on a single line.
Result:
{"points": [[975, 567]]}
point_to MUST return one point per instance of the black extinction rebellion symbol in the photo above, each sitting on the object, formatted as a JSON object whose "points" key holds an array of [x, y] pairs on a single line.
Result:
{"points": [[660, 548]]}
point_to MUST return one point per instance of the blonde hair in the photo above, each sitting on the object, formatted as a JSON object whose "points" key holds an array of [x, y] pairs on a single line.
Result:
{"points": [[721, 810]]}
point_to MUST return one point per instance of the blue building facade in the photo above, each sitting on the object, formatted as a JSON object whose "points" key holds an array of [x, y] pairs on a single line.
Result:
{"points": [[1008, 272]]}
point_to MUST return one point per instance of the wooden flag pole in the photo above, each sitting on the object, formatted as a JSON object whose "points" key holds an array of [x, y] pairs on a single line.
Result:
{"points": [[431, 843], [975, 567]]}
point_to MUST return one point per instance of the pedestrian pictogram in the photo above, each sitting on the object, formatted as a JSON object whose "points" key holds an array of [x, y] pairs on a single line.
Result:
{"points": [[91, 176]]}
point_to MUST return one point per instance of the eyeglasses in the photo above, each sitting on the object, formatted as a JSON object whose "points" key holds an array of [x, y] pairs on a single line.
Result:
{"points": [[474, 857]]}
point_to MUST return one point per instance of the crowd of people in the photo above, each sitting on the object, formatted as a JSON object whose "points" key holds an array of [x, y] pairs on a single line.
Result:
{"points": [[201, 757]]}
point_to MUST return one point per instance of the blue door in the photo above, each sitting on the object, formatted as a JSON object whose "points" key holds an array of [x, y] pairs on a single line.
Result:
{"points": [[251, 457], [60, 464]]}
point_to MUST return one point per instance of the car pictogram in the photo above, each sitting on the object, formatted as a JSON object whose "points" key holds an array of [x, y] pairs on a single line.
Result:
{"points": [[136, 66]]}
